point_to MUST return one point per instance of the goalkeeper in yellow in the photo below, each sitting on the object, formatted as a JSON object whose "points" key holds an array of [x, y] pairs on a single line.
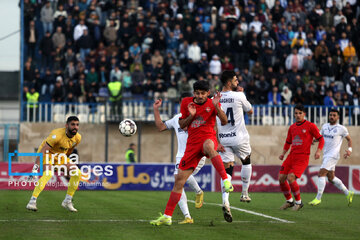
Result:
{"points": [[61, 141]]}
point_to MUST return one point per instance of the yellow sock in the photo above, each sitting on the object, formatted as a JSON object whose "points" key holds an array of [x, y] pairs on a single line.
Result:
{"points": [[42, 183], [74, 183]]}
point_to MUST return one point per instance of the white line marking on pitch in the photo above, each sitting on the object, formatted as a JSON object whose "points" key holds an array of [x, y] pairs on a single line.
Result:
{"points": [[250, 212]]}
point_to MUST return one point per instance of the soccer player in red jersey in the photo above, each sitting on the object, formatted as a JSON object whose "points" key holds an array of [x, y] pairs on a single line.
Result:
{"points": [[300, 137], [198, 115]]}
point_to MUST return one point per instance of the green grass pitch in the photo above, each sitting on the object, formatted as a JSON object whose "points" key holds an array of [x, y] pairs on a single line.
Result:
{"points": [[126, 215]]}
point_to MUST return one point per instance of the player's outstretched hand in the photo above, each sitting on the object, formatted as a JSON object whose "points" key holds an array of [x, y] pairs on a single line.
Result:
{"points": [[192, 109], [281, 157], [220, 148], [157, 103], [317, 154], [216, 98], [347, 154]]}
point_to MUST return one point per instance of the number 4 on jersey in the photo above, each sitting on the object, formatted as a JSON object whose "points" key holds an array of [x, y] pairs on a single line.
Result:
{"points": [[230, 116]]}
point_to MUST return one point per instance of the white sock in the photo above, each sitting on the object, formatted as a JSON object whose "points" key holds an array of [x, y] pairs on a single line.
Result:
{"points": [[167, 216], [245, 173], [321, 187], [68, 198], [339, 184], [33, 199], [193, 184], [183, 205], [298, 202], [225, 195]]}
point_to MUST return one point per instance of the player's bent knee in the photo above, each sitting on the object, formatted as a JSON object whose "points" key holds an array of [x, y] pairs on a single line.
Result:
{"points": [[229, 170], [246, 161]]}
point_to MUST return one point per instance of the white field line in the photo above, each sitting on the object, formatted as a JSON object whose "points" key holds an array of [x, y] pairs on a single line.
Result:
{"points": [[250, 212]]}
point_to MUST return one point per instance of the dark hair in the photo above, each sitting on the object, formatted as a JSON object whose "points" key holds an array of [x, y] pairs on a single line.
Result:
{"points": [[72, 118], [334, 110], [227, 76], [201, 85], [300, 107]]}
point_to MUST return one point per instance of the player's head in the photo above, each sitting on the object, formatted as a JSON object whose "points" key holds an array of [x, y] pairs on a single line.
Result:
{"points": [[334, 115], [229, 79], [72, 125], [299, 113], [201, 91], [132, 146]]}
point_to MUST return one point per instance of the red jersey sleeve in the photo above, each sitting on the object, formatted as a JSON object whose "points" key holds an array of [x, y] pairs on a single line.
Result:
{"points": [[184, 108], [315, 131], [316, 134], [288, 140]]}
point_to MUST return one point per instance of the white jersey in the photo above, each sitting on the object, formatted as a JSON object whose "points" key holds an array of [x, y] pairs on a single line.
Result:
{"points": [[234, 133], [333, 136], [181, 135]]}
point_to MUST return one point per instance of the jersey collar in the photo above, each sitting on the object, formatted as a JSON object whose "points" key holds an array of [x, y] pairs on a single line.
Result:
{"points": [[300, 123]]}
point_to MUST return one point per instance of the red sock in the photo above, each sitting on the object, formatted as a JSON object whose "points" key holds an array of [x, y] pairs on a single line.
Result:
{"points": [[171, 204], [285, 188], [296, 190], [219, 166]]}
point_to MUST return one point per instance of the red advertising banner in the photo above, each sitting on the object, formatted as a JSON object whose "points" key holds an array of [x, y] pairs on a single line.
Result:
{"points": [[265, 179], [21, 183]]}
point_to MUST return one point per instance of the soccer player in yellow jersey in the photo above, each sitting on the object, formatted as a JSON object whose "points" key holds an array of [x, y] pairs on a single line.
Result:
{"points": [[56, 149]]}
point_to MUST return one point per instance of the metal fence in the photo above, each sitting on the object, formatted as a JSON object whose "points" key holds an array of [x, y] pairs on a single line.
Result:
{"points": [[143, 111]]}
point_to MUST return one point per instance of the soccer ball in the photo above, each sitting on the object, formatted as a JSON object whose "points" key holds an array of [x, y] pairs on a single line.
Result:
{"points": [[127, 127]]}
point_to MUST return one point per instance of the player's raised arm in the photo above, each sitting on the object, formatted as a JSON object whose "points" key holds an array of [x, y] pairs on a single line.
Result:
{"points": [[160, 125], [220, 113], [349, 150]]}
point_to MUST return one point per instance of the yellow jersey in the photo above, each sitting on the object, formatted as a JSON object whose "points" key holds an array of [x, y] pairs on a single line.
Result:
{"points": [[60, 143]]}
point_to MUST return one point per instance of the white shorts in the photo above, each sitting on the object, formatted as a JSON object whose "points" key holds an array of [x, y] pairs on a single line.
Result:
{"points": [[329, 163], [241, 151], [197, 169]]}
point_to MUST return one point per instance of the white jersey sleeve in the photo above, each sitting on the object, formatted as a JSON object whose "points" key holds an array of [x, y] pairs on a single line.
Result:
{"points": [[170, 124]]}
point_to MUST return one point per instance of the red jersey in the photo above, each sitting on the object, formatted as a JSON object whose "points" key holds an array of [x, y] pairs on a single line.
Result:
{"points": [[203, 124], [300, 137]]}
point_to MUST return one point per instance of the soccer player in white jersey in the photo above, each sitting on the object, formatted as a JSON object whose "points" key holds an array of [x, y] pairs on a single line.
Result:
{"points": [[333, 134], [181, 136], [233, 137]]}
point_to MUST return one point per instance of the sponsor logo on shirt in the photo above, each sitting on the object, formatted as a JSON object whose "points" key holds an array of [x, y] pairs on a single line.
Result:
{"points": [[297, 141], [208, 109], [328, 136], [198, 122], [304, 130], [225, 135]]}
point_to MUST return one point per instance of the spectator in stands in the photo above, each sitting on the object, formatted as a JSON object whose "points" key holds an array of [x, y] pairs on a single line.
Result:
{"points": [[329, 101], [350, 54], [274, 97], [262, 90], [286, 96], [58, 94], [215, 65], [194, 52], [79, 30], [47, 17], [352, 87], [110, 32], [85, 44], [294, 61]]}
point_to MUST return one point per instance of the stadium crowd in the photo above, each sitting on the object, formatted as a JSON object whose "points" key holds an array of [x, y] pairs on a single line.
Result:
{"points": [[284, 52]]}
